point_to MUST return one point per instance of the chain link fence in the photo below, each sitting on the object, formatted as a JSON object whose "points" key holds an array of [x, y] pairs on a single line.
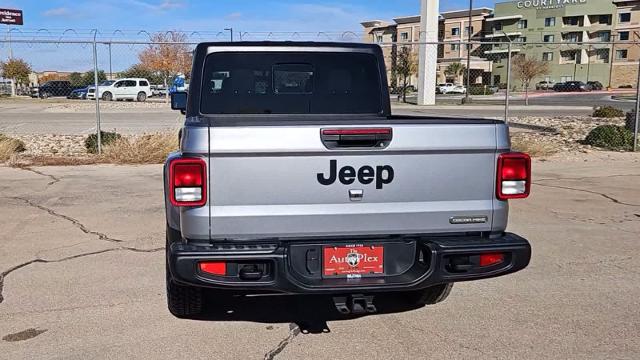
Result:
{"points": [[502, 79]]}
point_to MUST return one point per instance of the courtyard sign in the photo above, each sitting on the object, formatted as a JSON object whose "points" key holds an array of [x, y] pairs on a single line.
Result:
{"points": [[548, 4]]}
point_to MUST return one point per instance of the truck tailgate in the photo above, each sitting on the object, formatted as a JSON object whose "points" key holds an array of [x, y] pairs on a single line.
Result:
{"points": [[265, 181]]}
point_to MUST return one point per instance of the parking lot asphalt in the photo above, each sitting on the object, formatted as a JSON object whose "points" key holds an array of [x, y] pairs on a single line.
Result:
{"points": [[81, 250]]}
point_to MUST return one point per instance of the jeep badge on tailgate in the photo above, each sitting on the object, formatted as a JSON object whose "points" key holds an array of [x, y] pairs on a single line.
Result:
{"points": [[347, 175]]}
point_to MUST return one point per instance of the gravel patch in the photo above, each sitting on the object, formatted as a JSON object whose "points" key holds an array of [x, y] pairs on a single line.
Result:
{"points": [[567, 134], [59, 145], [107, 106]]}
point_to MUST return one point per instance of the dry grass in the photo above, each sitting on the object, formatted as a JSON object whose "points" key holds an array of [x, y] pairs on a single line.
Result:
{"points": [[533, 148], [145, 149], [9, 147], [48, 160]]}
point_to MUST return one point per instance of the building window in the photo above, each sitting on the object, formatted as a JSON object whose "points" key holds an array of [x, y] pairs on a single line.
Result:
{"points": [[497, 26], [549, 38], [455, 47], [523, 24], [621, 54], [469, 47], [404, 36], [624, 35], [572, 21], [572, 37], [601, 56], [566, 78], [547, 56], [520, 39], [379, 39], [604, 36], [466, 30], [549, 22], [569, 57], [604, 19], [624, 17], [455, 31]]}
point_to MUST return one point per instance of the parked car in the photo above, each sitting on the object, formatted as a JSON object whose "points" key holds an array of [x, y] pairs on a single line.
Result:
{"points": [[572, 86], [444, 88], [137, 89], [457, 89], [595, 85], [79, 93], [158, 90], [545, 85], [350, 202], [55, 88]]}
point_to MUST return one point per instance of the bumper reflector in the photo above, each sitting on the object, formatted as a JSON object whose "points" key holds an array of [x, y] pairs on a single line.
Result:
{"points": [[214, 267], [491, 259]]}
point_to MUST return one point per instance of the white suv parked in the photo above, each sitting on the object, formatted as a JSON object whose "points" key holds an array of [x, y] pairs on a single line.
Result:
{"points": [[137, 89]]}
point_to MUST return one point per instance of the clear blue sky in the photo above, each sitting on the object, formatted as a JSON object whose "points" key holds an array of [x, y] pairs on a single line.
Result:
{"points": [[214, 15]]}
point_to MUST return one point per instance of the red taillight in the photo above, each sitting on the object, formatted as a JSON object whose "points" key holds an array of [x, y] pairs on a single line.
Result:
{"points": [[513, 180], [188, 182], [214, 267], [491, 259]]}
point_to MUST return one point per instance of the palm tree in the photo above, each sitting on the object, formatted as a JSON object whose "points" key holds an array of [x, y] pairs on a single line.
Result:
{"points": [[455, 69]]}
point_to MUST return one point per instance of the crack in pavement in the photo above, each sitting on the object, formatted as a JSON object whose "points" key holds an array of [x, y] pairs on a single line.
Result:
{"points": [[4, 274], [590, 177], [54, 179], [75, 222], [294, 330], [608, 197]]}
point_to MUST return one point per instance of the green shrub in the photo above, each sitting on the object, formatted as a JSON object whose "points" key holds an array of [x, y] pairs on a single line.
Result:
{"points": [[630, 122], [480, 90], [607, 112], [610, 137], [91, 142]]}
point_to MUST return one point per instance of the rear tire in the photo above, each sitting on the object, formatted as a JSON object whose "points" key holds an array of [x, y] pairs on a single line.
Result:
{"points": [[429, 296], [142, 96], [183, 301], [107, 96]]}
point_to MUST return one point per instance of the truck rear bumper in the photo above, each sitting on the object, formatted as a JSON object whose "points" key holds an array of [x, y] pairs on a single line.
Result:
{"points": [[410, 263]]}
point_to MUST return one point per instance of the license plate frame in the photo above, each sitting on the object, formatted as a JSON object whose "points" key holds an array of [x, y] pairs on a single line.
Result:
{"points": [[353, 261]]}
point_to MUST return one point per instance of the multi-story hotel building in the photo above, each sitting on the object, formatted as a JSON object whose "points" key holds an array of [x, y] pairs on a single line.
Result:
{"points": [[585, 40]]}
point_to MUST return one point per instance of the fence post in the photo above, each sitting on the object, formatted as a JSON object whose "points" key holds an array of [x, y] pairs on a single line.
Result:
{"points": [[95, 83], [508, 90], [635, 129]]}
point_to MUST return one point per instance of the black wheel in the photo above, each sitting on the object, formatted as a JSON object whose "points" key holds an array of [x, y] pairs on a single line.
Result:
{"points": [[428, 296], [107, 96], [45, 95], [183, 301], [142, 96]]}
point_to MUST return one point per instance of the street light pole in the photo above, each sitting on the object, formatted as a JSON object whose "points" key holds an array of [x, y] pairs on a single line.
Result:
{"points": [[466, 98], [231, 31]]}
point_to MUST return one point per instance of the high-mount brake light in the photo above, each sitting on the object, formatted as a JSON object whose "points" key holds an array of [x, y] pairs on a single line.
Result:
{"points": [[513, 180], [188, 182]]}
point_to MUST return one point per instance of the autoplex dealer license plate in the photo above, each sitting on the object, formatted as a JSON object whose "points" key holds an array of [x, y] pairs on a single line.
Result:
{"points": [[353, 260]]}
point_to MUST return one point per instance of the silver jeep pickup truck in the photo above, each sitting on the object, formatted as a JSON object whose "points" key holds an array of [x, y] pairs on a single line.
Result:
{"points": [[293, 177]]}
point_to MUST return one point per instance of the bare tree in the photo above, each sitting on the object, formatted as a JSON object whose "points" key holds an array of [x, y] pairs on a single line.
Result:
{"points": [[526, 69], [167, 56], [406, 66]]}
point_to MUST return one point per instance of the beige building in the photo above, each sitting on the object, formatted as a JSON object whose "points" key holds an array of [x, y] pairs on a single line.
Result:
{"points": [[453, 31], [626, 22]]}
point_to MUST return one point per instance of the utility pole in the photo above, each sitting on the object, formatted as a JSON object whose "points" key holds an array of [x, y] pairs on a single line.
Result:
{"points": [[507, 91], [613, 45], [428, 60], [466, 97]]}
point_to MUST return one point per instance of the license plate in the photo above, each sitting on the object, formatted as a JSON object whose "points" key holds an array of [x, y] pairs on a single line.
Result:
{"points": [[353, 260]]}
